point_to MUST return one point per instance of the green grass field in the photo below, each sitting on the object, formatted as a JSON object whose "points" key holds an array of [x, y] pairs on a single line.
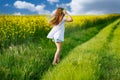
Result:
{"points": [[90, 50]]}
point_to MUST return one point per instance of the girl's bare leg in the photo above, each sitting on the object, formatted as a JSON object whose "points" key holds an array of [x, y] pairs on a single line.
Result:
{"points": [[57, 53]]}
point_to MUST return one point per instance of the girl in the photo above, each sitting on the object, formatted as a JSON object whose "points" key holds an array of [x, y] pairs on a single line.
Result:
{"points": [[57, 32]]}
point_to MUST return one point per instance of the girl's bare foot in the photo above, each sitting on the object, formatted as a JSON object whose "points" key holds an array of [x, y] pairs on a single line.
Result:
{"points": [[54, 63], [58, 60]]}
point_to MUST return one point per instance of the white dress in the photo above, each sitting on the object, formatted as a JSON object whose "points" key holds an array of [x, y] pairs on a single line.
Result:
{"points": [[57, 32]]}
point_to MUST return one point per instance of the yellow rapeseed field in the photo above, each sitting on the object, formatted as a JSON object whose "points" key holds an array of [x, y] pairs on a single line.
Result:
{"points": [[17, 29]]}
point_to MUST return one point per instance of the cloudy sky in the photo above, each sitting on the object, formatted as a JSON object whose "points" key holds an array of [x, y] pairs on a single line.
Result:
{"points": [[22, 7]]}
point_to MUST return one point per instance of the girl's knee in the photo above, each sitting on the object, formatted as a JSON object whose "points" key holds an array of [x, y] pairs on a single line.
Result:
{"points": [[59, 49]]}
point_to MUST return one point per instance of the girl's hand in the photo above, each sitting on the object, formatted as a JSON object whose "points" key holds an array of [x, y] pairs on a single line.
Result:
{"points": [[65, 12]]}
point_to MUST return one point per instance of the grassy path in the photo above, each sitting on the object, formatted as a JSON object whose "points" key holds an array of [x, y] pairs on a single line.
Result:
{"points": [[109, 56], [96, 59]]}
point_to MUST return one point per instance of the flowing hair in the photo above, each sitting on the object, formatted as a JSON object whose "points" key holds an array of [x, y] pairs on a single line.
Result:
{"points": [[57, 17]]}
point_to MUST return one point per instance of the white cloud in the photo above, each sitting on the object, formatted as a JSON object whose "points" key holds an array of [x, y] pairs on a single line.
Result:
{"points": [[77, 6], [94, 6], [94, 12], [62, 5], [31, 7], [52, 1], [24, 5], [17, 13], [6, 5], [40, 9]]}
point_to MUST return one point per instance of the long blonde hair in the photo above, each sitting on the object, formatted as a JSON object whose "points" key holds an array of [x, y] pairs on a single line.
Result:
{"points": [[59, 14]]}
